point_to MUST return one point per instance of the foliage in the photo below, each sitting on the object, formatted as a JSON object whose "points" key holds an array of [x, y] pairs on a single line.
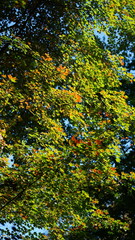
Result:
{"points": [[67, 119]]}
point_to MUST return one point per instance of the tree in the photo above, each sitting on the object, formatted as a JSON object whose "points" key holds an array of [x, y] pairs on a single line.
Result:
{"points": [[66, 121]]}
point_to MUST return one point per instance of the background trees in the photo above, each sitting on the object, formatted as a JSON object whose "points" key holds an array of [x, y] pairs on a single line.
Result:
{"points": [[67, 122]]}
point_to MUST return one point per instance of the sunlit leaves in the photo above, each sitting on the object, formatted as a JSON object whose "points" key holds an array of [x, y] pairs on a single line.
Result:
{"points": [[64, 117]]}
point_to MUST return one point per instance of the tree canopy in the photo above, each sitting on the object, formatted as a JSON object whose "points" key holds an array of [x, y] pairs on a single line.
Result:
{"points": [[67, 120]]}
